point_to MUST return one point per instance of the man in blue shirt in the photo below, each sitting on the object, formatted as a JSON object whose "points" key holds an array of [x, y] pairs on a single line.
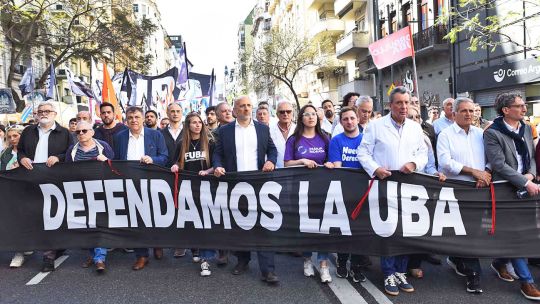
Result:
{"points": [[343, 152]]}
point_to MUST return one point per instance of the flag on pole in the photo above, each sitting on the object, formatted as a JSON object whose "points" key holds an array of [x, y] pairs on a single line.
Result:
{"points": [[212, 88], [126, 86], [78, 87], [27, 81], [51, 84], [26, 112], [96, 80], [108, 94], [183, 72], [392, 48]]}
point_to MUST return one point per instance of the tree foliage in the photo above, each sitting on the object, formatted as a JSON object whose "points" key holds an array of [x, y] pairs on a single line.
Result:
{"points": [[284, 56], [485, 23], [73, 29]]}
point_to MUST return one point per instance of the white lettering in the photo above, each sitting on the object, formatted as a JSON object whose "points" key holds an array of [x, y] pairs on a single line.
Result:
{"points": [[187, 210], [216, 208], [157, 187], [307, 224], [244, 189], [115, 203], [270, 206], [452, 219], [381, 227], [330, 219], [138, 204], [49, 191], [94, 206], [413, 201]]}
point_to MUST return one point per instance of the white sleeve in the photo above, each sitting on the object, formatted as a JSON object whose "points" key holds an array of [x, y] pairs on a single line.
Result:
{"points": [[365, 152]]}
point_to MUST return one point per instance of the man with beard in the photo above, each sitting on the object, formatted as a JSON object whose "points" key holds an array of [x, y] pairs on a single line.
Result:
{"points": [[211, 119], [329, 121], [150, 119], [47, 143], [110, 127], [364, 108]]}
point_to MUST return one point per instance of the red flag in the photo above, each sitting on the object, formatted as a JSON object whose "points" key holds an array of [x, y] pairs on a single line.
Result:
{"points": [[392, 48]]}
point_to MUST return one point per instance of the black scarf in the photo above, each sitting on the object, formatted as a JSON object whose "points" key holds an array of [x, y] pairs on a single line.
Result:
{"points": [[519, 141]]}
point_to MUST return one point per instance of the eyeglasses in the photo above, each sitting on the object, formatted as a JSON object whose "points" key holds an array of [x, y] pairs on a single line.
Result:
{"points": [[522, 106], [83, 131], [308, 114], [46, 112], [281, 112]]}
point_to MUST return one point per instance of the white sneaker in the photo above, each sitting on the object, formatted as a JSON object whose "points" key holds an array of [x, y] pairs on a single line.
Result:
{"points": [[325, 274], [27, 253], [196, 259], [17, 261], [511, 270], [205, 269], [308, 268]]}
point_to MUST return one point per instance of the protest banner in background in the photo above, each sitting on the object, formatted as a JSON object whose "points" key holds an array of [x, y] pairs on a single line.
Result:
{"points": [[130, 205], [392, 48], [7, 104]]}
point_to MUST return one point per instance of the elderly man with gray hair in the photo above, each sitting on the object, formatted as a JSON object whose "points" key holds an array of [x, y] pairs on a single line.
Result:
{"points": [[448, 119], [364, 109], [281, 130]]}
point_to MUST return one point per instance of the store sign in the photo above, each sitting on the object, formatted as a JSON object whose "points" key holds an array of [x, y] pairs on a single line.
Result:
{"points": [[520, 72]]}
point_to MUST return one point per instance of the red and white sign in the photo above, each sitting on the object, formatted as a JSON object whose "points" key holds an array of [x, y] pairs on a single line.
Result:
{"points": [[392, 48]]}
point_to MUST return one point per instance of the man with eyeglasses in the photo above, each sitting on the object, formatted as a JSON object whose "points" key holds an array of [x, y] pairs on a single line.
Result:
{"points": [[89, 148], [282, 129], [47, 143], [510, 150]]}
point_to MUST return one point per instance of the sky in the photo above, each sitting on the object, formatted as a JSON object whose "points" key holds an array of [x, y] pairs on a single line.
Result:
{"points": [[209, 29]]}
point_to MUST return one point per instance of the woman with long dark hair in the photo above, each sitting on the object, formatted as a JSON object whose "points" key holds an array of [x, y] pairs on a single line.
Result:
{"points": [[195, 152], [308, 146]]}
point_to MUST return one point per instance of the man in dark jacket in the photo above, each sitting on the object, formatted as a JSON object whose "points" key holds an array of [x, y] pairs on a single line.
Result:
{"points": [[47, 143], [173, 132]]}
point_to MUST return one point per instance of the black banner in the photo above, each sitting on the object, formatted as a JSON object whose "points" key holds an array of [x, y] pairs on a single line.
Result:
{"points": [[88, 204]]}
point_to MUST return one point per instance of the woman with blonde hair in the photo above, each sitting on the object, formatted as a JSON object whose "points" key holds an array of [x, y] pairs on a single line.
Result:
{"points": [[194, 155]]}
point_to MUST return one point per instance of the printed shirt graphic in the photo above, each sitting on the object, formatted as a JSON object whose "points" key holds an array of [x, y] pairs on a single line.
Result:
{"points": [[195, 158], [345, 150], [310, 148]]}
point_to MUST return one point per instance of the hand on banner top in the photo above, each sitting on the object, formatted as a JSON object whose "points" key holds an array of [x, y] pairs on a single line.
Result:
{"points": [[408, 168], [382, 173], [268, 166]]}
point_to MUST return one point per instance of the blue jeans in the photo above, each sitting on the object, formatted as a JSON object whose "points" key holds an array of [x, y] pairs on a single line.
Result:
{"points": [[98, 254], [393, 264], [265, 258], [321, 256], [520, 266], [207, 254], [141, 252]]}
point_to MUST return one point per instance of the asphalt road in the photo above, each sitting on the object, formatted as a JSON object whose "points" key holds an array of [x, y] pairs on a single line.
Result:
{"points": [[178, 281]]}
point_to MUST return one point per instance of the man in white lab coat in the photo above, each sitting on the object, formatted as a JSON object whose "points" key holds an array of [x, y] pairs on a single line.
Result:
{"points": [[394, 143]]}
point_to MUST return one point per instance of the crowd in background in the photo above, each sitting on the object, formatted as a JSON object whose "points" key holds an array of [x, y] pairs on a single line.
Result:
{"points": [[244, 138]]}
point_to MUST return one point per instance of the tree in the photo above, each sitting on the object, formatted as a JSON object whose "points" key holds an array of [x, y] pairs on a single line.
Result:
{"points": [[284, 56], [488, 24], [72, 29]]}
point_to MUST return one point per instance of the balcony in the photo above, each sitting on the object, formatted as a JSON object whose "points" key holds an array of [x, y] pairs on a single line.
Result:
{"points": [[431, 39], [344, 7], [350, 45], [330, 26], [316, 4]]}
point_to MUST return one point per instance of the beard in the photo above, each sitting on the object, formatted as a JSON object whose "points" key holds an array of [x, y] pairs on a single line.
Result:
{"points": [[328, 114], [44, 121]]}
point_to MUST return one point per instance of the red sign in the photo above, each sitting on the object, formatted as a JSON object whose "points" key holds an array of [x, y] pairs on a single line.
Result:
{"points": [[392, 48]]}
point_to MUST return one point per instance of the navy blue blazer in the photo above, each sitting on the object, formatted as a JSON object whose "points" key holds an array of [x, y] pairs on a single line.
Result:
{"points": [[154, 146], [225, 151]]}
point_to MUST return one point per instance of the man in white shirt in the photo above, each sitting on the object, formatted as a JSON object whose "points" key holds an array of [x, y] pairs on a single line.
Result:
{"points": [[246, 145], [281, 130], [394, 143], [329, 120], [460, 150], [448, 119]]}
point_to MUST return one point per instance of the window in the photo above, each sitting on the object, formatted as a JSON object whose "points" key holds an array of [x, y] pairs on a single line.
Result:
{"points": [[361, 25], [135, 8], [327, 14], [392, 22], [406, 14], [424, 15]]}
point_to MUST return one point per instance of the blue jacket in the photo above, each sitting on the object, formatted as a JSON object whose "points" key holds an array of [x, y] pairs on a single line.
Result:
{"points": [[154, 146], [225, 151]]}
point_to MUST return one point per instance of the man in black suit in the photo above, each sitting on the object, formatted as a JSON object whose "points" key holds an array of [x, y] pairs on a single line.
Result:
{"points": [[246, 145]]}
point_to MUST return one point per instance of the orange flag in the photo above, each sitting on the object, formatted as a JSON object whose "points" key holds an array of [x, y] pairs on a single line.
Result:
{"points": [[108, 94]]}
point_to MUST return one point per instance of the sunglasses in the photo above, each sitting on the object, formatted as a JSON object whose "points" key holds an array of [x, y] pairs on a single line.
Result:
{"points": [[285, 111], [79, 132]]}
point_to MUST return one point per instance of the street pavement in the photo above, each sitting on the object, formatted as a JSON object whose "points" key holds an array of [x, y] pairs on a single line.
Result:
{"points": [[178, 281]]}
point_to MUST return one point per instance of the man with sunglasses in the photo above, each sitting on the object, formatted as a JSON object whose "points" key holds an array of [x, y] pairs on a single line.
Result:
{"points": [[282, 129], [89, 148], [47, 143]]}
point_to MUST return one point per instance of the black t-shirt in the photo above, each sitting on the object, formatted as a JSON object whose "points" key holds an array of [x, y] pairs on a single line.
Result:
{"points": [[194, 160]]}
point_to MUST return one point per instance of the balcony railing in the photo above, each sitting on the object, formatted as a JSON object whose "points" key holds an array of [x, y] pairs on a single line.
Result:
{"points": [[430, 36]]}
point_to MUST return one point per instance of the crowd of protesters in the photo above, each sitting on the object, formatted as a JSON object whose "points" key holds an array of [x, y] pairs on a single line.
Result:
{"points": [[459, 145]]}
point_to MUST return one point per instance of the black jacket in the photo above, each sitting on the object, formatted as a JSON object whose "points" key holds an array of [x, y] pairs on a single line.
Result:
{"points": [[59, 141], [173, 146]]}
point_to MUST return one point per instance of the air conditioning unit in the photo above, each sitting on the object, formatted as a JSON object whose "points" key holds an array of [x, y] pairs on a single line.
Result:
{"points": [[58, 7], [339, 71], [20, 69], [320, 75], [68, 99], [61, 73]]}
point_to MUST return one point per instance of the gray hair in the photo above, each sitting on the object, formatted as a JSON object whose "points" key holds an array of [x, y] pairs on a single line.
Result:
{"points": [[173, 104], [363, 99], [459, 101], [505, 100], [447, 100], [242, 97], [84, 123], [398, 90], [47, 103], [221, 104]]}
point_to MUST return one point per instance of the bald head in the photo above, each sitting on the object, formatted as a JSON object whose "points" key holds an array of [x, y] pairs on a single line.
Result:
{"points": [[243, 108]]}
